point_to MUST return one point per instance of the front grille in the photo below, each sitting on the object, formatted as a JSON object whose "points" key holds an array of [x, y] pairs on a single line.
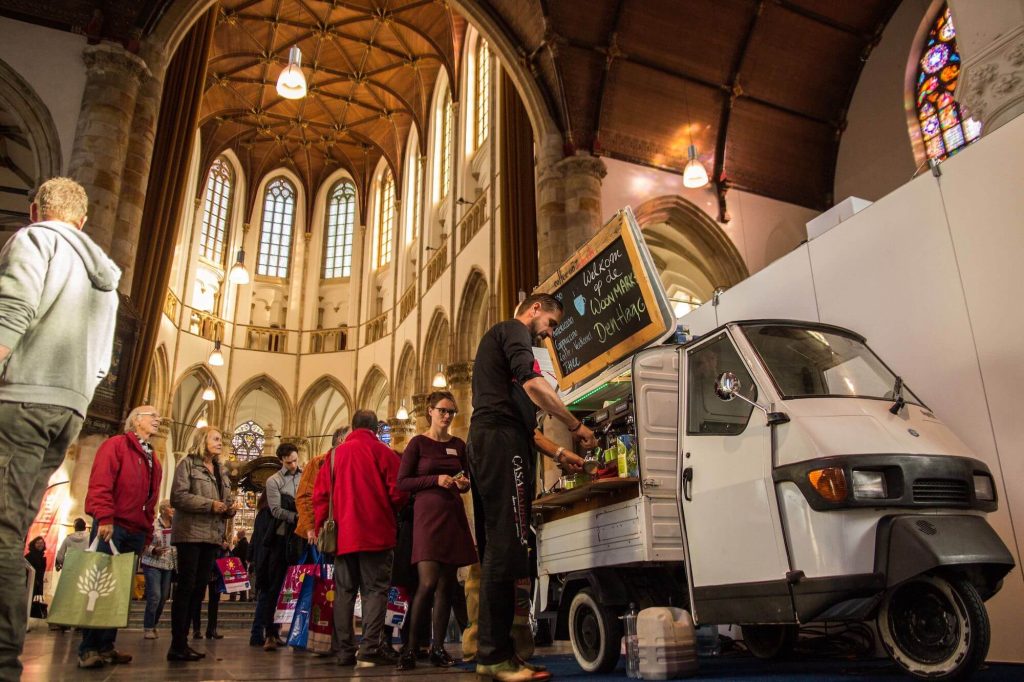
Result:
{"points": [[951, 492]]}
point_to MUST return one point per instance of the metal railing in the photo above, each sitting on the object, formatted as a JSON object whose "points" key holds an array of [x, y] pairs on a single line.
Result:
{"points": [[437, 264]]}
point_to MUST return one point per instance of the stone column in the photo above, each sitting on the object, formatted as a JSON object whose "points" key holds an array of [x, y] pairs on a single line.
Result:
{"points": [[113, 76], [460, 383], [402, 431], [419, 412], [568, 207], [990, 37], [163, 455], [135, 179]]}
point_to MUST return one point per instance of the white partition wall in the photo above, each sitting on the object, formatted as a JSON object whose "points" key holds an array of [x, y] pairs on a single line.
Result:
{"points": [[932, 275]]}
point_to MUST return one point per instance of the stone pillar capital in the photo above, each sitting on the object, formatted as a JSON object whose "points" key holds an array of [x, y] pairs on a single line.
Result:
{"points": [[460, 374], [419, 403], [107, 58], [582, 163]]}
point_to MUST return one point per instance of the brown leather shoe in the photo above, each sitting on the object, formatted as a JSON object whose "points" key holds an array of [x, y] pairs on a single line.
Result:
{"points": [[115, 657], [270, 644]]}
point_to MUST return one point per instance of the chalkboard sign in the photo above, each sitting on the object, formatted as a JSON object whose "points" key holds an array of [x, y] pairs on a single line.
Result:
{"points": [[613, 301]]}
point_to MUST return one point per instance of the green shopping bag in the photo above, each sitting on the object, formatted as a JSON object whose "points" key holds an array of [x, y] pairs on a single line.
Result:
{"points": [[95, 589]]}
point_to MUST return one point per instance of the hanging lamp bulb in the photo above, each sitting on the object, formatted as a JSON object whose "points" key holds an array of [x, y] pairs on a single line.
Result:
{"points": [[201, 423], [291, 84], [694, 174], [440, 380], [209, 394], [216, 358], [238, 274], [402, 413]]}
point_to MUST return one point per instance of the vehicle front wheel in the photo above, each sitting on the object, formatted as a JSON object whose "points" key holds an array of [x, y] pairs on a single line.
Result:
{"points": [[935, 628], [595, 633]]}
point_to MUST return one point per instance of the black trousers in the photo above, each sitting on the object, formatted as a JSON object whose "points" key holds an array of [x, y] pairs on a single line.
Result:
{"points": [[500, 462], [212, 607], [195, 560]]}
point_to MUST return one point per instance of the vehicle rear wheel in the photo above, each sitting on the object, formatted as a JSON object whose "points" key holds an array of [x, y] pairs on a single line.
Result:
{"points": [[595, 633], [935, 628], [770, 641]]}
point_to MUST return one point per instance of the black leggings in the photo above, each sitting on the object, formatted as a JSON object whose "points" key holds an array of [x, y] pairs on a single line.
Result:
{"points": [[436, 580], [195, 560]]}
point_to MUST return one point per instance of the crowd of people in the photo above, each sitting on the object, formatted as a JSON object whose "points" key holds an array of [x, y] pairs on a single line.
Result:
{"points": [[388, 518]]}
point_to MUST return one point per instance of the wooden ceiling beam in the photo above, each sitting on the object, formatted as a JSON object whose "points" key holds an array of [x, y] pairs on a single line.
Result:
{"points": [[822, 19]]}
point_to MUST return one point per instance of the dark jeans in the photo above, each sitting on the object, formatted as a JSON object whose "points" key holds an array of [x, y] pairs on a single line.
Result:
{"points": [[33, 440], [263, 619], [195, 560], [212, 606], [369, 574], [500, 460], [158, 591], [125, 541]]}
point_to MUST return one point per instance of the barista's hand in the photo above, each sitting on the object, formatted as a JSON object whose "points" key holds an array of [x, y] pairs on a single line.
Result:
{"points": [[571, 462], [585, 437], [105, 532]]}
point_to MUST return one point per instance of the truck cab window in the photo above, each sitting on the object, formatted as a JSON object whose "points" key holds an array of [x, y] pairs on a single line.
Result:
{"points": [[707, 414]]}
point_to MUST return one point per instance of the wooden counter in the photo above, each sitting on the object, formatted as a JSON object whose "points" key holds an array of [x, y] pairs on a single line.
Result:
{"points": [[586, 497]]}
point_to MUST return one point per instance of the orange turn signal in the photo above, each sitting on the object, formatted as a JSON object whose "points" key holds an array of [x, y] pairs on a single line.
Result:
{"points": [[830, 483]]}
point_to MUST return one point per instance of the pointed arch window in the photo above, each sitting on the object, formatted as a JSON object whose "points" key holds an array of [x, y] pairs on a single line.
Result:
{"points": [[276, 232], [482, 105], [447, 131], [248, 440], [386, 215], [341, 213], [414, 170], [216, 211], [943, 128]]}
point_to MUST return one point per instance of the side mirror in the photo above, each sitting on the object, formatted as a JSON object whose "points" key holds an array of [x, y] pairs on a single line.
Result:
{"points": [[727, 386]]}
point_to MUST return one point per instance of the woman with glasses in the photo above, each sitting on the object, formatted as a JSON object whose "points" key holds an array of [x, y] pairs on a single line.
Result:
{"points": [[434, 467]]}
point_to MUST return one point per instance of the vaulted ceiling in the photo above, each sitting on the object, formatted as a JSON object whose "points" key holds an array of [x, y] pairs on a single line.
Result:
{"points": [[762, 87]]}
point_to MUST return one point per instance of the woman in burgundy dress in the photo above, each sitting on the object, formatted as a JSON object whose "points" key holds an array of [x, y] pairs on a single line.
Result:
{"points": [[434, 467]]}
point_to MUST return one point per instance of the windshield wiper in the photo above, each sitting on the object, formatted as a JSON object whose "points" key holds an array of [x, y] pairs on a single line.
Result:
{"points": [[897, 394]]}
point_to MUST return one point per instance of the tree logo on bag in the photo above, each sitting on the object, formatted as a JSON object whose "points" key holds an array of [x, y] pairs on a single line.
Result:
{"points": [[96, 583]]}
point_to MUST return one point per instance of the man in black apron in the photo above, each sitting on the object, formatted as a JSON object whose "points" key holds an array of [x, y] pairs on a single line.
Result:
{"points": [[501, 463]]}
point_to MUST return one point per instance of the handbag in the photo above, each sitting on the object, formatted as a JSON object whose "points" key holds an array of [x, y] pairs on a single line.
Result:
{"points": [[327, 538], [95, 589]]}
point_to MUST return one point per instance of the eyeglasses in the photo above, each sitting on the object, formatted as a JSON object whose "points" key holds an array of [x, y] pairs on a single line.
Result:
{"points": [[446, 411], [154, 415]]}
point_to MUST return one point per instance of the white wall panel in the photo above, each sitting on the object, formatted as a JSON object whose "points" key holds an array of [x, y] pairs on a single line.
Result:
{"points": [[784, 289]]}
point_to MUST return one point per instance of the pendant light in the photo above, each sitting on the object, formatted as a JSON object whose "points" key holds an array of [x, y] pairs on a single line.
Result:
{"points": [[216, 358], [209, 394], [402, 413], [238, 273], [695, 175], [201, 423], [291, 84], [440, 380]]}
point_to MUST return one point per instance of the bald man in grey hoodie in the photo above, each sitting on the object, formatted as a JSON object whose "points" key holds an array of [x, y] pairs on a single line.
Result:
{"points": [[58, 306]]}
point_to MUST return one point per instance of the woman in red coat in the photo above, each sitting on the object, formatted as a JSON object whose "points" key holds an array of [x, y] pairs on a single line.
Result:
{"points": [[434, 467]]}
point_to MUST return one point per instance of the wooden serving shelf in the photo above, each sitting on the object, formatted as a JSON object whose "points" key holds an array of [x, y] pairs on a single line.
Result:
{"points": [[588, 496]]}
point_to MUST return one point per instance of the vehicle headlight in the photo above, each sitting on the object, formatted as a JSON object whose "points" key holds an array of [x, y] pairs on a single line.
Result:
{"points": [[984, 489], [830, 483], [869, 485]]}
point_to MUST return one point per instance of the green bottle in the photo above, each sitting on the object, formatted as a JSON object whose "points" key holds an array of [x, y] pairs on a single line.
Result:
{"points": [[621, 451]]}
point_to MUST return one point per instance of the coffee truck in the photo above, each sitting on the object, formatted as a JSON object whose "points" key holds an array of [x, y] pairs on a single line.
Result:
{"points": [[783, 475]]}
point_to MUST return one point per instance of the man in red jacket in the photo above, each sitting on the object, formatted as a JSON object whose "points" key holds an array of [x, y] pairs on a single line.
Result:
{"points": [[366, 496], [124, 490]]}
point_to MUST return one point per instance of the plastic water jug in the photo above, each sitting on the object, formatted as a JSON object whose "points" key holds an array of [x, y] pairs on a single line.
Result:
{"points": [[668, 644]]}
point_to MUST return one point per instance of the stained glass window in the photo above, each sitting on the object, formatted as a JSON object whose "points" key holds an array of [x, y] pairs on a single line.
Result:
{"points": [[276, 235], [943, 128], [216, 211], [247, 441], [341, 211], [384, 433], [483, 92], [386, 214]]}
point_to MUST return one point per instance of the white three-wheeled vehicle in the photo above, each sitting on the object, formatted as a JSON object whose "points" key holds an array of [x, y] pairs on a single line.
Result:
{"points": [[786, 475]]}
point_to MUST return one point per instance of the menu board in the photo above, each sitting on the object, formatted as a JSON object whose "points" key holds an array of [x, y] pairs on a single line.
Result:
{"points": [[613, 302]]}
